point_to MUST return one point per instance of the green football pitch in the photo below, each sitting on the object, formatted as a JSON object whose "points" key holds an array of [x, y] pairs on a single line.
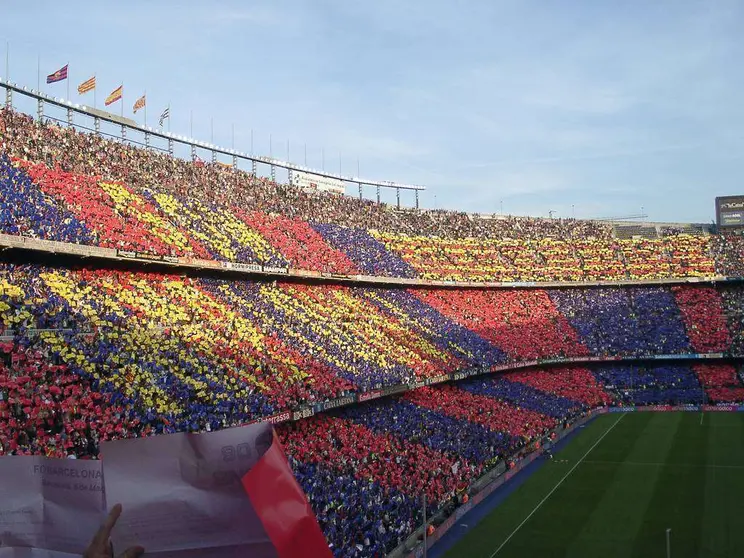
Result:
{"points": [[616, 488]]}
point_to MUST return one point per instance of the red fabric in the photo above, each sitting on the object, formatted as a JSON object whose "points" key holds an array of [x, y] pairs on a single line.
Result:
{"points": [[282, 507]]}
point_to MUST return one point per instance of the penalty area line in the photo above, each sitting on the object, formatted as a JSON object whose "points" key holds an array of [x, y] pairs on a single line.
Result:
{"points": [[560, 482]]}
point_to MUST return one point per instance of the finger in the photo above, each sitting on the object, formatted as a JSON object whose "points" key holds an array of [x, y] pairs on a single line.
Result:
{"points": [[104, 531], [133, 552]]}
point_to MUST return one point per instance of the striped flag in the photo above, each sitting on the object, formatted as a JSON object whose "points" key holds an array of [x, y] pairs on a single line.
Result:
{"points": [[87, 85], [115, 95], [166, 114], [139, 104], [59, 75]]}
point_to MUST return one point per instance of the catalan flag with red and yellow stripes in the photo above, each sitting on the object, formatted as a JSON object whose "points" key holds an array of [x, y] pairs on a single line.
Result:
{"points": [[115, 95], [87, 85], [139, 104]]}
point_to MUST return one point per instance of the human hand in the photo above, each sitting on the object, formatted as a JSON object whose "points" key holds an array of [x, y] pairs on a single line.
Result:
{"points": [[101, 547]]}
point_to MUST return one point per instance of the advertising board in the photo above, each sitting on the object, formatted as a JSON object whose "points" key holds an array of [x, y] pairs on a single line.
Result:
{"points": [[730, 211]]}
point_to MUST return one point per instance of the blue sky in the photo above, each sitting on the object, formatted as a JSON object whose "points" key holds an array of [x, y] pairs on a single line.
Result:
{"points": [[601, 108]]}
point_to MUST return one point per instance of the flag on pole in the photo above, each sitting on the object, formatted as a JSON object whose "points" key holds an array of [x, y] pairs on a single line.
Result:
{"points": [[87, 85], [59, 75], [166, 114], [115, 95], [139, 104]]}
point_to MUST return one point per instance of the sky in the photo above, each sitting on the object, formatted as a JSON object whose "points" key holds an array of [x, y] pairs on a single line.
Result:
{"points": [[583, 108]]}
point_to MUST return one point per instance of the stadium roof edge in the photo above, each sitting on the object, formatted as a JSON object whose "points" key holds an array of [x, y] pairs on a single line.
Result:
{"points": [[114, 119]]}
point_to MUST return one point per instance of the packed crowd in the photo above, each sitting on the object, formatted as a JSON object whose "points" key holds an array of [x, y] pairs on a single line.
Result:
{"points": [[728, 250], [722, 383], [92, 155], [653, 384], [48, 409], [58, 184], [364, 468], [202, 350], [676, 384], [732, 301], [626, 321], [525, 324], [553, 259], [89, 354], [125, 354]]}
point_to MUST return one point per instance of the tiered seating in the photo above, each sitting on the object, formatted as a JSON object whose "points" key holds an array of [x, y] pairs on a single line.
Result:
{"points": [[298, 242], [728, 249], [117, 217], [367, 253], [575, 383], [359, 517], [553, 259], [240, 349], [90, 354], [456, 436], [652, 384], [523, 396], [525, 324], [48, 409], [363, 454], [705, 321], [24, 210], [387, 453], [469, 348], [679, 255], [162, 353], [481, 409], [227, 237], [721, 382], [733, 308], [625, 321], [84, 189]]}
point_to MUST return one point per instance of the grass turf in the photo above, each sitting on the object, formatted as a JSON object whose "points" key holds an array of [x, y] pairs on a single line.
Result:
{"points": [[616, 488]]}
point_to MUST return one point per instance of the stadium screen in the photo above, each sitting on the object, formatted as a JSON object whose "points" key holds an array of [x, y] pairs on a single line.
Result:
{"points": [[730, 211]]}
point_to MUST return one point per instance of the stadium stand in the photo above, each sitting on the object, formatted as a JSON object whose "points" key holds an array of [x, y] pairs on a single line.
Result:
{"points": [[90, 352], [728, 249], [721, 383], [84, 189], [247, 348], [653, 384]]}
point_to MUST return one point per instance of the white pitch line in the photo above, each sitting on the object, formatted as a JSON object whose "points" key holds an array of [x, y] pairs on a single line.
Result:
{"points": [[701, 418], [560, 482]]}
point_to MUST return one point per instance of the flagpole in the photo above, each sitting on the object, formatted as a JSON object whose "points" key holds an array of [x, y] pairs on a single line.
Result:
{"points": [[8, 92], [122, 100], [168, 116], [95, 86], [145, 108], [68, 80], [38, 73]]}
